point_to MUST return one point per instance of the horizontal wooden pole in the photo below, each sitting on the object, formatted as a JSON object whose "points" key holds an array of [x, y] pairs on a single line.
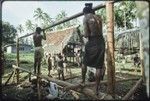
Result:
{"points": [[131, 92], [86, 91], [70, 18], [93, 83], [16, 67]]}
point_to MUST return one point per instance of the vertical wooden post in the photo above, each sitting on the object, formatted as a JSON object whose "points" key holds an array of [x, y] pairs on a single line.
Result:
{"points": [[17, 49], [110, 48], [73, 53], [141, 57], [38, 87]]}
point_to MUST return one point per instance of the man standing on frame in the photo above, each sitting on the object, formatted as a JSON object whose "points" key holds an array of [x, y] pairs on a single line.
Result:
{"points": [[39, 51], [95, 46]]}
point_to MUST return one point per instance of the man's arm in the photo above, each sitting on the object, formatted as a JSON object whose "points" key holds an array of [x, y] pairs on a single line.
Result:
{"points": [[44, 35], [86, 28]]}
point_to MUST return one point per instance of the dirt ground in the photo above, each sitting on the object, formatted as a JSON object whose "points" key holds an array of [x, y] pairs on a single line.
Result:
{"points": [[26, 92]]}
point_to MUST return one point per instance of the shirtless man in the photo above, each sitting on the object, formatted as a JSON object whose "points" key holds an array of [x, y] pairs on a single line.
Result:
{"points": [[39, 52], [60, 67], [49, 61], [95, 46]]}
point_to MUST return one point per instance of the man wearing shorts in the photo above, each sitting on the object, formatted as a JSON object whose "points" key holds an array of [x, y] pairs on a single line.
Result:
{"points": [[39, 52]]}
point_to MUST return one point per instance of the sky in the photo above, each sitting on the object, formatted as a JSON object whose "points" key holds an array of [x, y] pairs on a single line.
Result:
{"points": [[17, 12]]}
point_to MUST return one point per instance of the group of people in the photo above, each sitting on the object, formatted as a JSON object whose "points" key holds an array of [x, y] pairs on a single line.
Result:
{"points": [[94, 48], [57, 61]]}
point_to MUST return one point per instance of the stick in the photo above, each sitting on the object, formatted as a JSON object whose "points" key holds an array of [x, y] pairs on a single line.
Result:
{"points": [[9, 78], [132, 91], [38, 87], [13, 75]]}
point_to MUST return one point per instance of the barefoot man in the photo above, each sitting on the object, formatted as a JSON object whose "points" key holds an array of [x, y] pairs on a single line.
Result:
{"points": [[39, 52], [95, 46]]}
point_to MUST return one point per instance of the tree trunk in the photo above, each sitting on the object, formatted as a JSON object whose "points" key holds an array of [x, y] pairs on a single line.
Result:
{"points": [[110, 48]]}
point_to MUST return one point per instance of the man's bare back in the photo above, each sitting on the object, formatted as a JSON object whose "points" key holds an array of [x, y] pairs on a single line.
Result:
{"points": [[92, 25]]}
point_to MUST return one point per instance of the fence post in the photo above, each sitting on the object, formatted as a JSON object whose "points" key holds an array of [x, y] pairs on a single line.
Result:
{"points": [[17, 49], [110, 48]]}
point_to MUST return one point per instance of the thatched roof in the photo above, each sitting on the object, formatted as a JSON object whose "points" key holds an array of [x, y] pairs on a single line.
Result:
{"points": [[56, 40]]}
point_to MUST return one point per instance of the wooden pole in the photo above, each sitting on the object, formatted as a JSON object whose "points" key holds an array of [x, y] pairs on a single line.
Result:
{"points": [[70, 18], [76, 86], [38, 87], [9, 78], [85, 91], [17, 71], [110, 48], [131, 92], [141, 57]]}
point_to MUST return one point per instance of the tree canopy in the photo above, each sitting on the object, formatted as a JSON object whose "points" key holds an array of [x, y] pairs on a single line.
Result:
{"points": [[8, 33], [124, 14]]}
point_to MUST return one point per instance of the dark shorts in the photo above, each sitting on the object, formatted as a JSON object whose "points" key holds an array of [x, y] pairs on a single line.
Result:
{"points": [[94, 53]]}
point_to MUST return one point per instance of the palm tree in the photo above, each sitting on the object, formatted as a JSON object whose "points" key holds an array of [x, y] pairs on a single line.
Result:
{"points": [[39, 16], [30, 25], [20, 28], [47, 20], [62, 15]]}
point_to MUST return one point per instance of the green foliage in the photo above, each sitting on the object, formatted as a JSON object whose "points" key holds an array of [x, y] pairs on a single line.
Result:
{"points": [[8, 33], [63, 15], [38, 14], [30, 26], [44, 18], [124, 13]]}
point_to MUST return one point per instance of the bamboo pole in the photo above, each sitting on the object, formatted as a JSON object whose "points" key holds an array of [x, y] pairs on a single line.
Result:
{"points": [[93, 83], [110, 49], [38, 87], [142, 57], [86, 91], [131, 92], [70, 18], [9, 78], [17, 62]]}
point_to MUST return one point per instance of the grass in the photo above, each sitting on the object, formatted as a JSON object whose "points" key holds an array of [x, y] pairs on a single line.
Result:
{"points": [[27, 61]]}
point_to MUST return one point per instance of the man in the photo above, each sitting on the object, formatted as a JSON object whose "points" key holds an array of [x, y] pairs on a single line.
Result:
{"points": [[49, 61], [95, 46], [60, 67], [39, 52], [136, 60]]}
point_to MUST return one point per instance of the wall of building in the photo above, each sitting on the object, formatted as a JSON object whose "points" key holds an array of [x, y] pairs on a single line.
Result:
{"points": [[22, 48]]}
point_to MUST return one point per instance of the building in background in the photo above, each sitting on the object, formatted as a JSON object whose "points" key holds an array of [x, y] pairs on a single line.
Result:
{"points": [[22, 48]]}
